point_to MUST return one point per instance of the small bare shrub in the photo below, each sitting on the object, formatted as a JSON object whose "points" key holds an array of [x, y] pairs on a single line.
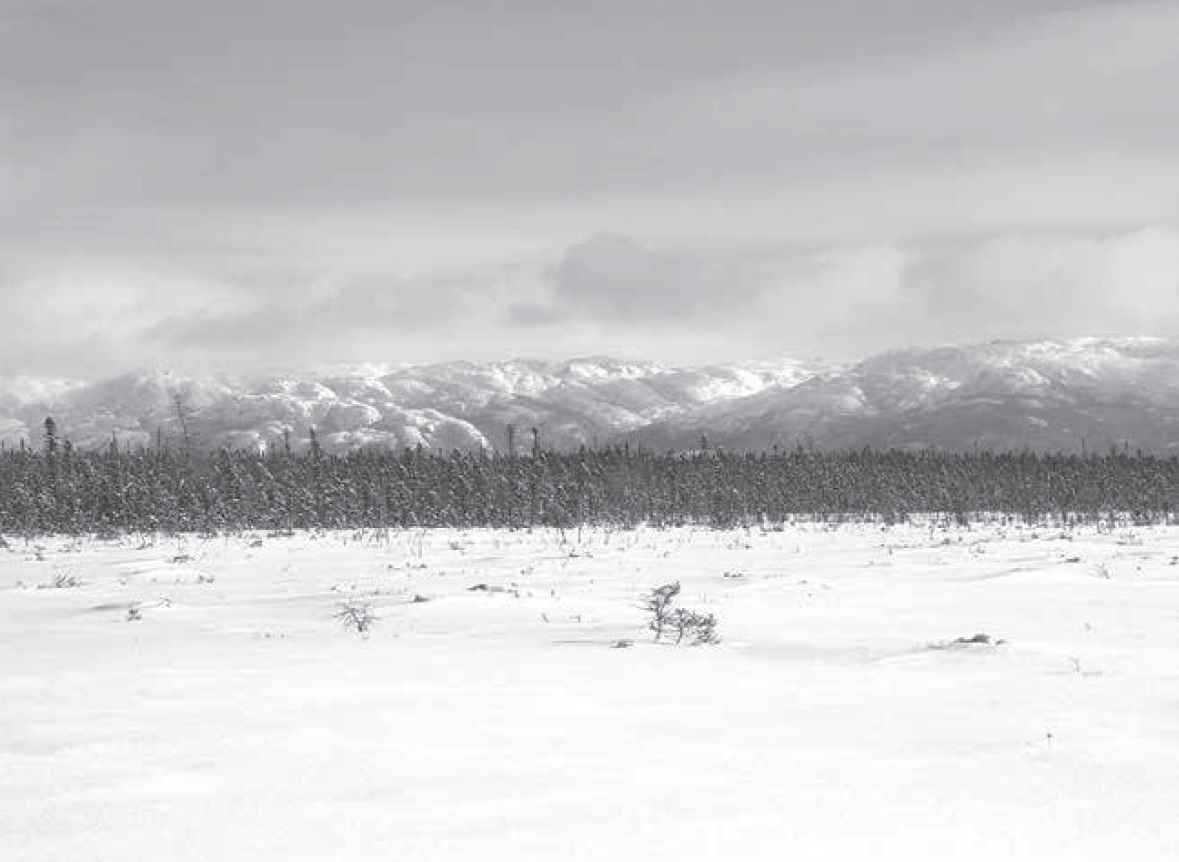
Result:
{"points": [[658, 604], [700, 628], [689, 625], [62, 580], [357, 616]]}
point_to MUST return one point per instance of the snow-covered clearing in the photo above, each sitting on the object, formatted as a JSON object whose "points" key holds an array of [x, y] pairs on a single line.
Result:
{"points": [[238, 719]]}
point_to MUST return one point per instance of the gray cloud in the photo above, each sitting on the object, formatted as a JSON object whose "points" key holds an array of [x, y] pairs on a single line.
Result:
{"points": [[272, 103], [1026, 286], [853, 300], [606, 294], [1005, 286], [382, 304], [342, 318], [210, 182], [612, 278]]}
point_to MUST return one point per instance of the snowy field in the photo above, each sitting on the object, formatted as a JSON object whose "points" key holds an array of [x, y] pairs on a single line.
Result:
{"points": [[198, 699]]}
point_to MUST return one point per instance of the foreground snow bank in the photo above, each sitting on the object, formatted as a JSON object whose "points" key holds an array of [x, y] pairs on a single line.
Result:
{"points": [[199, 699]]}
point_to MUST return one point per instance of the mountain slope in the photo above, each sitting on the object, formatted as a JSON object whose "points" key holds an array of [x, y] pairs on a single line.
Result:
{"points": [[452, 405], [1003, 395], [1067, 395]]}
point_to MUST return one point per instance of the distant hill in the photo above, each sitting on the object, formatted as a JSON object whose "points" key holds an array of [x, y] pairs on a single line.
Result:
{"points": [[1058, 395], [1068, 395]]}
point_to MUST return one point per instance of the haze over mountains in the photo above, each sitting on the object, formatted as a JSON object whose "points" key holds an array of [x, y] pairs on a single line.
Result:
{"points": [[1089, 393]]}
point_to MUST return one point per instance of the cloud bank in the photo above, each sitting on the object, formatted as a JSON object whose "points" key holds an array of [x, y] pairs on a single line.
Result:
{"points": [[270, 182], [611, 294]]}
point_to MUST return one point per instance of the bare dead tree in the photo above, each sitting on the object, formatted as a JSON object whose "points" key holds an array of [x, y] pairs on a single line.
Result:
{"points": [[659, 602], [185, 416]]}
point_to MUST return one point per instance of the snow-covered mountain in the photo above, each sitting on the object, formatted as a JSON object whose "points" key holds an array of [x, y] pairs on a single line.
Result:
{"points": [[1049, 395], [1088, 393], [451, 405]]}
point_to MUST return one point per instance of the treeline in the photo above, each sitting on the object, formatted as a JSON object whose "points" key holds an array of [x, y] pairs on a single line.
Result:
{"points": [[58, 489]]}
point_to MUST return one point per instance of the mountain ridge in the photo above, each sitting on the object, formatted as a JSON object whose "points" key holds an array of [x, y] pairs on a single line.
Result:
{"points": [[1070, 395]]}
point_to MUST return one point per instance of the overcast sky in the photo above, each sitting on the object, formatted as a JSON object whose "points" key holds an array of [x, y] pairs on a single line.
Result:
{"points": [[221, 184]]}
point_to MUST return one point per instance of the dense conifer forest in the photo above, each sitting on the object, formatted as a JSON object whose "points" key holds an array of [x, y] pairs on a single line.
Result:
{"points": [[56, 488]]}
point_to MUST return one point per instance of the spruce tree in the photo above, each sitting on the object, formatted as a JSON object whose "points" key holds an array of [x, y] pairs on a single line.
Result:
{"points": [[50, 437]]}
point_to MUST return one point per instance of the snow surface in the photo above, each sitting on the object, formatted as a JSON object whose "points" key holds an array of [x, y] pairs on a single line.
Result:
{"points": [[838, 719]]}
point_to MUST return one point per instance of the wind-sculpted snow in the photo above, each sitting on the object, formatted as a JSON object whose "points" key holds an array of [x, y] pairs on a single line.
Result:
{"points": [[1069, 395], [917, 692]]}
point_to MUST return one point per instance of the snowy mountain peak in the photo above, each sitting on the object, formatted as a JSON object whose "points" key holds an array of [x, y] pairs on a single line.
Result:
{"points": [[1046, 394]]}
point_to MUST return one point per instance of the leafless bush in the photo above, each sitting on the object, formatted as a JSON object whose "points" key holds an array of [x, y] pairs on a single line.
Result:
{"points": [[700, 628], [357, 616], [659, 602], [696, 627], [62, 580]]}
